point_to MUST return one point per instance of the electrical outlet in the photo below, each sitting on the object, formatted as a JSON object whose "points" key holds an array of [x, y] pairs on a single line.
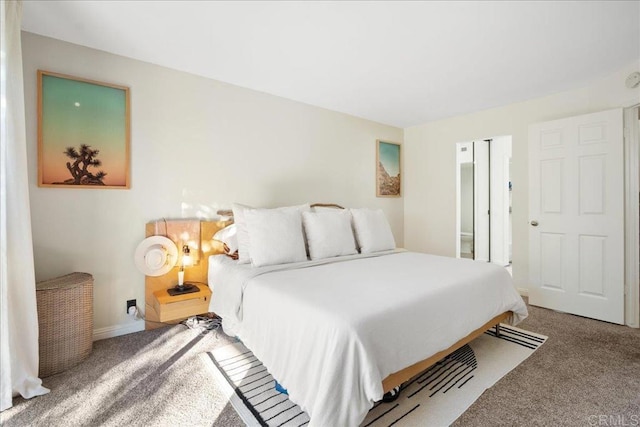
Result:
{"points": [[131, 303]]}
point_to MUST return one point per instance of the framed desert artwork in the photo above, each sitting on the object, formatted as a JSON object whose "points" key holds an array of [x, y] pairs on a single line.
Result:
{"points": [[388, 169], [83, 133]]}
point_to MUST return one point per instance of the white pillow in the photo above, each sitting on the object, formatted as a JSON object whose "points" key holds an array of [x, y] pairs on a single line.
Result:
{"points": [[275, 236], [228, 236], [243, 235], [244, 240], [372, 230], [329, 233]]}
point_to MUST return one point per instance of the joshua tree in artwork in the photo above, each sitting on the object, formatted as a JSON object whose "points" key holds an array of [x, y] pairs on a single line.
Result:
{"points": [[82, 161]]}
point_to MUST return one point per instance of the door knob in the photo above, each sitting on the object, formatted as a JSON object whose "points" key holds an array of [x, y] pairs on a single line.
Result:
{"points": [[534, 223]]}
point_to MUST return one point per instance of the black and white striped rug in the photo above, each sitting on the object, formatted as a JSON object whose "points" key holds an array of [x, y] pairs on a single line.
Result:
{"points": [[436, 397]]}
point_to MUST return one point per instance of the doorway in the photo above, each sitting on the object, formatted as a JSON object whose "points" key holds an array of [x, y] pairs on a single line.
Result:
{"points": [[484, 200]]}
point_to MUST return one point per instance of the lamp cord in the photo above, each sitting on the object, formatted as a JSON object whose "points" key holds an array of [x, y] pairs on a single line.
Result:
{"points": [[166, 228]]}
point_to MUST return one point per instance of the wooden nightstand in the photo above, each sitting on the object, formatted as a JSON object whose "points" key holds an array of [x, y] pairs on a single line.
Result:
{"points": [[181, 306]]}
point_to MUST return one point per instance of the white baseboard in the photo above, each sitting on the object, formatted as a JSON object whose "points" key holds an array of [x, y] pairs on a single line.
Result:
{"points": [[117, 330], [523, 292]]}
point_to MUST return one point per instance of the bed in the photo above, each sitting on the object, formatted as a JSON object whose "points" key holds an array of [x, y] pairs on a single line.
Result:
{"points": [[339, 332]]}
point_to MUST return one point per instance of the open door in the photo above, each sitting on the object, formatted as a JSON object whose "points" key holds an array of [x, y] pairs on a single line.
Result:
{"points": [[481, 197], [576, 214]]}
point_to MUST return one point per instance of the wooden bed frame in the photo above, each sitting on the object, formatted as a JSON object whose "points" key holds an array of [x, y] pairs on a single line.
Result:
{"points": [[398, 378]]}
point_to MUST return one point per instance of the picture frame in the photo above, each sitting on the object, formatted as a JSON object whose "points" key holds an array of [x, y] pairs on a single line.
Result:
{"points": [[84, 133], [388, 169]]}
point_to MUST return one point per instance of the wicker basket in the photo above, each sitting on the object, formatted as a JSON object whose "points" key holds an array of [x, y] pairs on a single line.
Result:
{"points": [[65, 317]]}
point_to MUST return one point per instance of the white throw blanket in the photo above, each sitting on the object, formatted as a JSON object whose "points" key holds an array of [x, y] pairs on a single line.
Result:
{"points": [[331, 332]]}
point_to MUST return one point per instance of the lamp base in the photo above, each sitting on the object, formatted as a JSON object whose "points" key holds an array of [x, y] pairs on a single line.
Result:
{"points": [[184, 289]]}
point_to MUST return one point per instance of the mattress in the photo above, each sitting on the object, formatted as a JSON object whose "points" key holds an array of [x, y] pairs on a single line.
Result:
{"points": [[330, 331]]}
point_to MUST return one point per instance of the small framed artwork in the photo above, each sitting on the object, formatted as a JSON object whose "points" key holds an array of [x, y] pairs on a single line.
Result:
{"points": [[388, 169], [83, 133]]}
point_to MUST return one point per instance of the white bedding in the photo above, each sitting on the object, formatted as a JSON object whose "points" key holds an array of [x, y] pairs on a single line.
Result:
{"points": [[330, 331]]}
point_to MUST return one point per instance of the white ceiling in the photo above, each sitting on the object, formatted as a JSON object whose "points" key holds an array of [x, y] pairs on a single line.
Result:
{"points": [[400, 63]]}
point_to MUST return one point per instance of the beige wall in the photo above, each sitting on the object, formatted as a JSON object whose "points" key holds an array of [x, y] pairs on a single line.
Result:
{"points": [[197, 145], [430, 162]]}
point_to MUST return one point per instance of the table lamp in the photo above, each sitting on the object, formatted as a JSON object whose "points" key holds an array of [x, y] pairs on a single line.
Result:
{"points": [[181, 288]]}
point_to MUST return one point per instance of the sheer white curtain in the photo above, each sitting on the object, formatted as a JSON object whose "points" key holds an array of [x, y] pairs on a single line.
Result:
{"points": [[18, 315]]}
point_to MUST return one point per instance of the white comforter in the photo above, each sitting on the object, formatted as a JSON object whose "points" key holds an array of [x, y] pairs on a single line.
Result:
{"points": [[331, 331]]}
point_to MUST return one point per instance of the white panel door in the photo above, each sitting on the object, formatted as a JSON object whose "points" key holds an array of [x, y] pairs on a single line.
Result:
{"points": [[576, 208]]}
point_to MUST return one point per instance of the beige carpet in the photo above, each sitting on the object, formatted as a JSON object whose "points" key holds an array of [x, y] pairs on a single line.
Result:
{"points": [[151, 378], [585, 369]]}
